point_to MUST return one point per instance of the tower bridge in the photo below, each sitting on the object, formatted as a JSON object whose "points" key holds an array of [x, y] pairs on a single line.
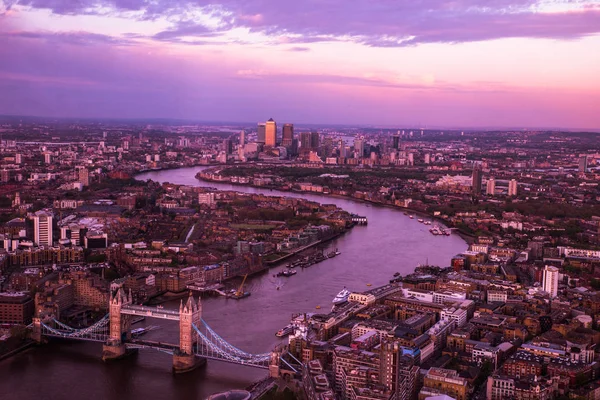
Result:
{"points": [[197, 340]]}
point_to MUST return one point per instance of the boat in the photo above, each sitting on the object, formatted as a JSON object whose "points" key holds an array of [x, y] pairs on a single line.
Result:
{"points": [[427, 222], [318, 307], [368, 284], [341, 297], [287, 273], [411, 216], [140, 331], [239, 295], [333, 253], [421, 220], [285, 331], [397, 274], [447, 232]]}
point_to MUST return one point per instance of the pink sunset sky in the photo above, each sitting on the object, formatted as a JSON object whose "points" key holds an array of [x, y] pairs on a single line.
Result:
{"points": [[464, 63]]}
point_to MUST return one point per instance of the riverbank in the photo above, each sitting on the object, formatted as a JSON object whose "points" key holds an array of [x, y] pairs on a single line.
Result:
{"points": [[15, 351], [464, 235]]}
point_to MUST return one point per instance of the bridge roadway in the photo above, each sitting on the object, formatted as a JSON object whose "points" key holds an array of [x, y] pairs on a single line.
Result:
{"points": [[153, 312]]}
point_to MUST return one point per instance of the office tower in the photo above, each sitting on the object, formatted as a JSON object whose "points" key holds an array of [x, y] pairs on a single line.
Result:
{"points": [[427, 158], [227, 146], [261, 132], [287, 135], [512, 187], [242, 138], [583, 164], [550, 282], [314, 140], [271, 133], [491, 187], [305, 140], [477, 177], [42, 228], [359, 147], [395, 141]]}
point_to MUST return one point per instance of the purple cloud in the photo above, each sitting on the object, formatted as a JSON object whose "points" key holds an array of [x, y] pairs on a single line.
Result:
{"points": [[382, 23]]}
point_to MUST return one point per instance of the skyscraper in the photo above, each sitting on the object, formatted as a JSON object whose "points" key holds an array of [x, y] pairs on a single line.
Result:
{"points": [[583, 164], [261, 132], [550, 282], [359, 147], [42, 228], [512, 187], [271, 133], [477, 177], [490, 187], [287, 135], [395, 141], [242, 138], [314, 140], [305, 140]]}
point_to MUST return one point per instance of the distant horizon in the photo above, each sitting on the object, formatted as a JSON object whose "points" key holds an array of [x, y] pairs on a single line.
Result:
{"points": [[181, 121], [474, 64]]}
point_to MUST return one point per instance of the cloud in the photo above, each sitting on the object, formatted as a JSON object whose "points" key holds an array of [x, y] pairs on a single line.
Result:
{"points": [[380, 24], [299, 49], [71, 38]]}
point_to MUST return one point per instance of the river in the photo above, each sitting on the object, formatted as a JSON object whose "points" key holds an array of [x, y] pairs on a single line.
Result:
{"points": [[370, 254]]}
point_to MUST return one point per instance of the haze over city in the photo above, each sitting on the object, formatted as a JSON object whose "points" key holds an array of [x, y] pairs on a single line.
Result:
{"points": [[472, 63]]}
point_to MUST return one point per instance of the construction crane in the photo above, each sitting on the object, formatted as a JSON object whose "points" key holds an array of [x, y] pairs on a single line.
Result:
{"points": [[241, 288], [240, 294]]}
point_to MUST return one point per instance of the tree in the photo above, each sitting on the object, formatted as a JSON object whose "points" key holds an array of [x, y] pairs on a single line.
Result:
{"points": [[20, 332]]}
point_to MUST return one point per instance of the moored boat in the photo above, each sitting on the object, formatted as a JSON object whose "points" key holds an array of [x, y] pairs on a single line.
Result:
{"points": [[341, 297]]}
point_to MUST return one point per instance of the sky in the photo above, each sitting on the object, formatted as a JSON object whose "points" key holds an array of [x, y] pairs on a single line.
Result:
{"points": [[425, 63]]}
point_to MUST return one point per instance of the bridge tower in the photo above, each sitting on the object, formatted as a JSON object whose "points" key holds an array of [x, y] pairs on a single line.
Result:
{"points": [[120, 326], [190, 314]]}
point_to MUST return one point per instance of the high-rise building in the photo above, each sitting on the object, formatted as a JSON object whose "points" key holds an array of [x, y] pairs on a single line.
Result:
{"points": [[287, 135], [395, 141], [42, 228], [271, 133], [242, 138], [512, 187], [314, 140], [305, 140], [261, 132], [83, 176], [550, 282], [18, 158], [490, 187], [583, 164], [47, 158], [477, 178], [359, 147], [398, 372], [227, 146], [427, 158]]}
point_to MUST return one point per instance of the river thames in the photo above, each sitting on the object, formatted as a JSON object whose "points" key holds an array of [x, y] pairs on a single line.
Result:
{"points": [[370, 254]]}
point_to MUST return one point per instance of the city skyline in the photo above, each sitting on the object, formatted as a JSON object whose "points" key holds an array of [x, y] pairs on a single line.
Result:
{"points": [[468, 64]]}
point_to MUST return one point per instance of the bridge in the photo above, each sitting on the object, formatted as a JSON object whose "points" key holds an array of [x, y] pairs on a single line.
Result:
{"points": [[197, 343]]}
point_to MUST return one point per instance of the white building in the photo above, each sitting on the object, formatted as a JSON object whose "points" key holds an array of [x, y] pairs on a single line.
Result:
{"points": [[490, 188], [206, 198], [459, 315], [550, 282], [42, 228], [512, 187]]}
